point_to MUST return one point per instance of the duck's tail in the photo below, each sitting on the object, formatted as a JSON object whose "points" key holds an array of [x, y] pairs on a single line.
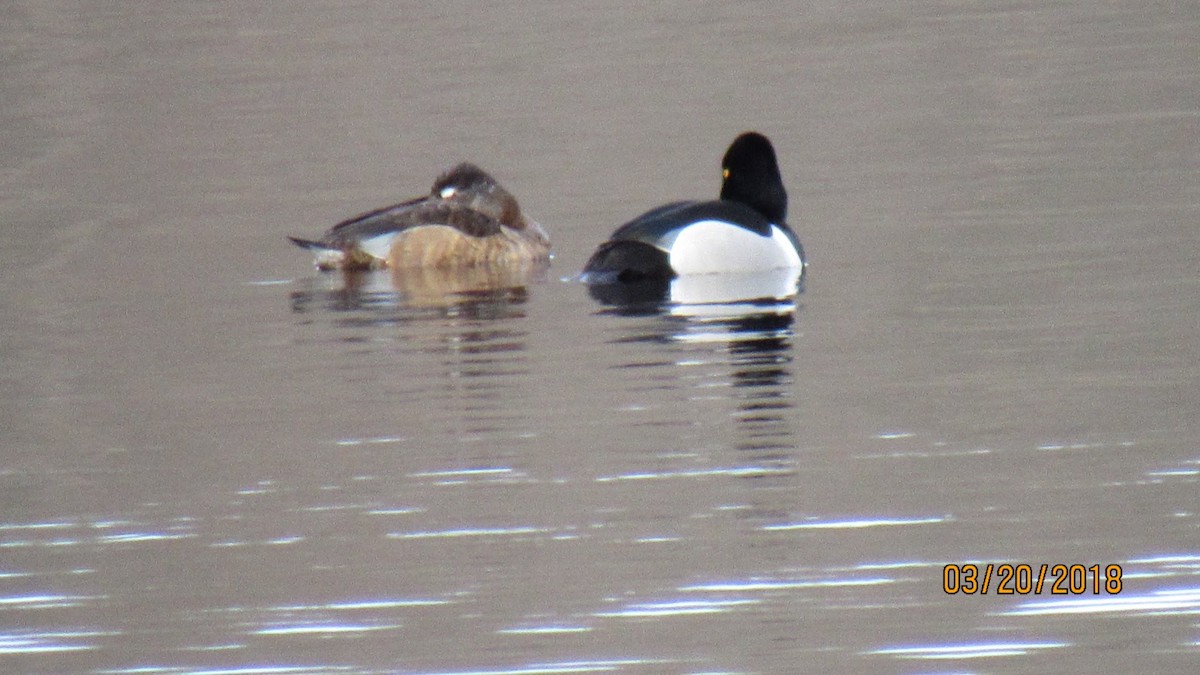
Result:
{"points": [[308, 244], [325, 257]]}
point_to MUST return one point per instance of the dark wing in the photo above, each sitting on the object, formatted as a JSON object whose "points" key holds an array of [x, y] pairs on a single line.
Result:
{"points": [[364, 222], [627, 261], [413, 213]]}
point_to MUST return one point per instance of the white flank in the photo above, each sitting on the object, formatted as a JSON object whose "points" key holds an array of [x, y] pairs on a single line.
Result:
{"points": [[712, 246], [328, 258], [378, 246]]}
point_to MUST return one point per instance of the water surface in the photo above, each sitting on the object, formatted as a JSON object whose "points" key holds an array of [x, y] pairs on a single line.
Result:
{"points": [[214, 459]]}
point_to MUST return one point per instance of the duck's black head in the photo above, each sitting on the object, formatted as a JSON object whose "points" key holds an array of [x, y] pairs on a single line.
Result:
{"points": [[751, 177], [475, 188]]}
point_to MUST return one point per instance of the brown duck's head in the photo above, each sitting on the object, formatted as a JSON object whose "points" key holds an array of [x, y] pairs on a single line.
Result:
{"points": [[475, 188]]}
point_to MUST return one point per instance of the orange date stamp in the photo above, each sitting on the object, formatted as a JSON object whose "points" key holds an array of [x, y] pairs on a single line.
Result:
{"points": [[1009, 579]]}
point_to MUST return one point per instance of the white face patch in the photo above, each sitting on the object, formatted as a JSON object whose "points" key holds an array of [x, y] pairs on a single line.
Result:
{"points": [[712, 246], [448, 192]]}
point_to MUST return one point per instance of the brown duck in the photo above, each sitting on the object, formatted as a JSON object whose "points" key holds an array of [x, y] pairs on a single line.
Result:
{"points": [[466, 220]]}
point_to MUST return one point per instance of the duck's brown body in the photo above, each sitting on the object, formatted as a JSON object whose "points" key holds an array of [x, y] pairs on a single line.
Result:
{"points": [[467, 220], [444, 247]]}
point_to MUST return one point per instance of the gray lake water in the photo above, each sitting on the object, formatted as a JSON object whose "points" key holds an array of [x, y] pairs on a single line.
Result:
{"points": [[214, 459]]}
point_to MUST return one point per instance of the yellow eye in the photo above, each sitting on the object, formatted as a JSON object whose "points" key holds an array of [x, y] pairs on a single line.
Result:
{"points": [[725, 173]]}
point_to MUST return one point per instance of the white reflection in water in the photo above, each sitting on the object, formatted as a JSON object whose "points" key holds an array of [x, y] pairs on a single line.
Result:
{"points": [[363, 604], [398, 511], [555, 667], [214, 648], [736, 471], [677, 608], [235, 670], [325, 619], [544, 630], [46, 601], [305, 628], [132, 537], [968, 651], [1190, 469], [723, 294], [1157, 603], [36, 526], [383, 440], [1049, 447], [940, 453], [25, 543], [771, 585], [85, 533], [1179, 563], [463, 472], [1173, 472], [278, 541], [469, 532], [49, 642], [324, 508], [480, 475], [901, 564], [854, 523]]}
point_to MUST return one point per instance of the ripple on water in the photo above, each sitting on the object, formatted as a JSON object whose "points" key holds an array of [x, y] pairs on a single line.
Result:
{"points": [[232, 670], [751, 585], [1181, 601], [734, 471], [967, 650], [554, 667], [321, 628], [343, 617], [666, 608], [551, 629], [471, 532], [1177, 592], [47, 601], [854, 523], [35, 642]]}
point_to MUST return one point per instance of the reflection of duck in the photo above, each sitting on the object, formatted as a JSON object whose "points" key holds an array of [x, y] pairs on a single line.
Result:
{"points": [[375, 298], [702, 293], [723, 362], [467, 220], [742, 232], [388, 297], [435, 287]]}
